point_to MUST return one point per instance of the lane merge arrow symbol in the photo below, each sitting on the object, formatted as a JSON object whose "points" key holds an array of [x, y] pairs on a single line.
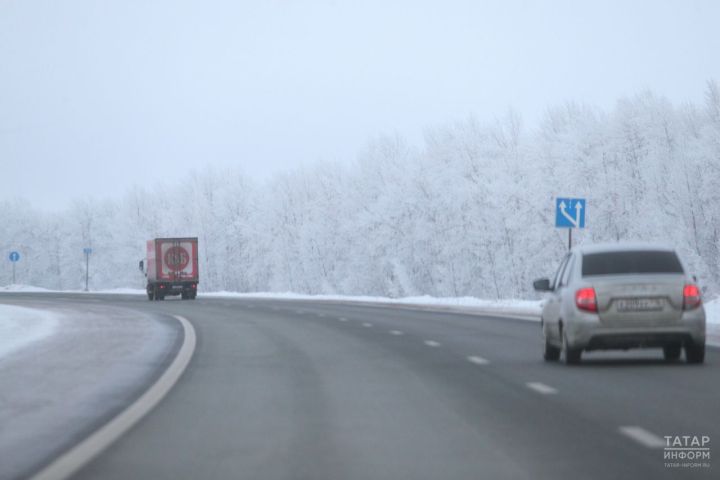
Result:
{"points": [[565, 208]]}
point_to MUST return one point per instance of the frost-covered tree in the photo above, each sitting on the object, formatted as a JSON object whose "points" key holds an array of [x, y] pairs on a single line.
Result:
{"points": [[468, 212]]}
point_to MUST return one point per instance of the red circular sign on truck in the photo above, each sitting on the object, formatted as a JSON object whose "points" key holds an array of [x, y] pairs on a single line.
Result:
{"points": [[176, 258]]}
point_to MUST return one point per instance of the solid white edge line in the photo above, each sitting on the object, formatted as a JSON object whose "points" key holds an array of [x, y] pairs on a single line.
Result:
{"points": [[478, 360], [81, 454], [541, 388], [642, 436], [432, 343]]}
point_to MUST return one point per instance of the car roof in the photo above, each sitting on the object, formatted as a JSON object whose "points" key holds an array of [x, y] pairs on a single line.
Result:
{"points": [[622, 247]]}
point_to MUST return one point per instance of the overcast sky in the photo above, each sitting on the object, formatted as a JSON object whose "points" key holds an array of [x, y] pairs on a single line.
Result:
{"points": [[98, 95]]}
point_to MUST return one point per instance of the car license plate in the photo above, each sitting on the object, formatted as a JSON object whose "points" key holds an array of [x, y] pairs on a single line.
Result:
{"points": [[639, 304], [177, 287]]}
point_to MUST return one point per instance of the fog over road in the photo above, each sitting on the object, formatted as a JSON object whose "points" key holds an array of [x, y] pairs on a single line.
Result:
{"points": [[280, 389]]}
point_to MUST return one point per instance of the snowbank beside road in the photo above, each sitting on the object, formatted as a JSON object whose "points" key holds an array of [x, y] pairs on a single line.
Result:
{"points": [[32, 289], [23, 288], [523, 308], [712, 311], [527, 309], [20, 327], [712, 314]]}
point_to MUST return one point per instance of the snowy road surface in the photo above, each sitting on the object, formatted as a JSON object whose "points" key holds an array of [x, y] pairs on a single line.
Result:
{"points": [[92, 361], [21, 327], [288, 389]]}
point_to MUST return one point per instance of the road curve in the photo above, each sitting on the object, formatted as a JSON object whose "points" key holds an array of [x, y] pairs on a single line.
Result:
{"points": [[310, 390]]}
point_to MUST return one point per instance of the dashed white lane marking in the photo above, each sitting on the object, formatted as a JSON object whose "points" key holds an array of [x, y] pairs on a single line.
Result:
{"points": [[643, 437], [395, 332], [541, 388], [82, 453], [321, 315], [432, 343], [367, 325], [342, 319], [478, 360]]}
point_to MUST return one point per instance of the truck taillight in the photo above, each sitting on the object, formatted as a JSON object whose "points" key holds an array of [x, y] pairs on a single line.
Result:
{"points": [[691, 297], [585, 299]]}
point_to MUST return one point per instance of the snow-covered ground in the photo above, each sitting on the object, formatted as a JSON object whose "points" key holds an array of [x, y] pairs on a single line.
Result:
{"points": [[21, 327]]}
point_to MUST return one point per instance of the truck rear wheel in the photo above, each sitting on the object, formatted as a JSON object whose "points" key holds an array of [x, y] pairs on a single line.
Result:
{"points": [[151, 295]]}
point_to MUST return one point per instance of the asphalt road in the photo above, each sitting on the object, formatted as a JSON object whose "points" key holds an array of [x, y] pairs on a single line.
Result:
{"points": [[309, 390]]}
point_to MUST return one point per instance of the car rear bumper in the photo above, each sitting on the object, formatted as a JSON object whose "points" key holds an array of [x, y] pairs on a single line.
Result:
{"points": [[588, 333], [637, 340]]}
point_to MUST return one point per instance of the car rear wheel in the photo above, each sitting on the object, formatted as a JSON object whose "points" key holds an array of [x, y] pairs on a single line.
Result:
{"points": [[552, 353], [572, 355], [671, 352], [695, 353]]}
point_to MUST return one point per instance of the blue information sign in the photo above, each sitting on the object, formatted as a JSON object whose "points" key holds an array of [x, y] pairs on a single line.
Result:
{"points": [[570, 212], [14, 256]]}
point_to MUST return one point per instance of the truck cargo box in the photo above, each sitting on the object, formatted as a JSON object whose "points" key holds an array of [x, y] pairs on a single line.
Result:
{"points": [[172, 267]]}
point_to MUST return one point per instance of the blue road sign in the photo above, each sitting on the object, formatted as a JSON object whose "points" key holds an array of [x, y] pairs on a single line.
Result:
{"points": [[87, 251], [570, 212], [14, 256]]}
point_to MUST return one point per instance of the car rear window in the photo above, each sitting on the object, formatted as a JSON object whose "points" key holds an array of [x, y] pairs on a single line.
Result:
{"points": [[621, 263]]}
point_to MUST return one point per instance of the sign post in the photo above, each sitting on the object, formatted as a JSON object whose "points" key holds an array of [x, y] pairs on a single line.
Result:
{"points": [[570, 213], [87, 251], [14, 257]]}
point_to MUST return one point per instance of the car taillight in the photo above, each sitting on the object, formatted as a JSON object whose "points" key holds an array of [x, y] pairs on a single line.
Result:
{"points": [[691, 297], [585, 299]]}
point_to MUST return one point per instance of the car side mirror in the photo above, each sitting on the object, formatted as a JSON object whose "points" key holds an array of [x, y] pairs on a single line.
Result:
{"points": [[542, 285], [142, 266]]}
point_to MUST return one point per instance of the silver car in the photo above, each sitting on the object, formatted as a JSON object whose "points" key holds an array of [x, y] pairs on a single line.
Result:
{"points": [[622, 296]]}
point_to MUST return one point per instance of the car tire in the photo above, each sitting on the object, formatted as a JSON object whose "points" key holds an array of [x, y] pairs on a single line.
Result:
{"points": [[572, 355], [552, 353], [151, 295], [695, 353], [672, 352]]}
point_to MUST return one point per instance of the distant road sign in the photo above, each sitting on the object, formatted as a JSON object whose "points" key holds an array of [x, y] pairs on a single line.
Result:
{"points": [[14, 256], [87, 251], [570, 212]]}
